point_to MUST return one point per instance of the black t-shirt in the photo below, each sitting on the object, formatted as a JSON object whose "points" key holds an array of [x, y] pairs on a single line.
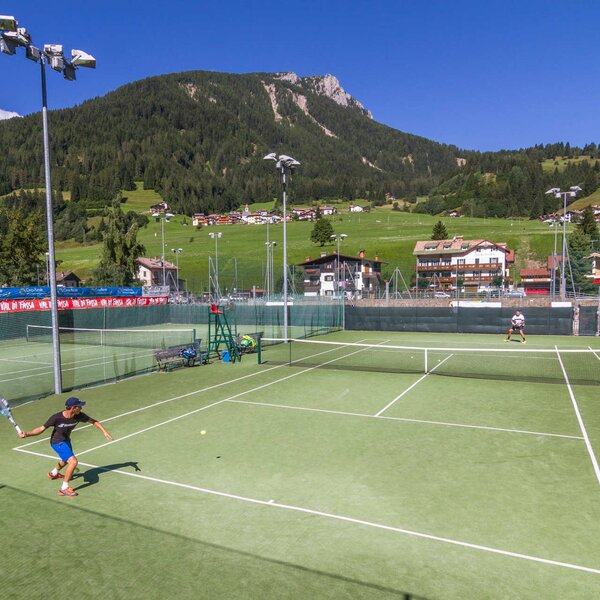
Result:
{"points": [[63, 426]]}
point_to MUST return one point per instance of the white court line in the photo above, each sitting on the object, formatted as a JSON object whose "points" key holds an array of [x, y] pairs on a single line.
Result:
{"points": [[425, 422], [326, 515], [260, 387], [579, 419], [25, 360], [594, 352], [212, 387], [413, 385]]}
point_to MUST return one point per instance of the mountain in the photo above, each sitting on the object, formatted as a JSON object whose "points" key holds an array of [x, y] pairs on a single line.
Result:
{"points": [[199, 138], [7, 114]]}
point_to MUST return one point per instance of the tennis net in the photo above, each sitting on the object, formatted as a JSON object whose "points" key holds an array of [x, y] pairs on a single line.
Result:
{"points": [[581, 367], [130, 338]]}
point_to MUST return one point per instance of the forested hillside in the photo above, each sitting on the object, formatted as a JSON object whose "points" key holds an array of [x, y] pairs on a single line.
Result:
{"points": [[198, 138]]}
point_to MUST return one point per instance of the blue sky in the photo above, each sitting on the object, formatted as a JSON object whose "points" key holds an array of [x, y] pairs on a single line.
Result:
{"points": [[481, 74]]}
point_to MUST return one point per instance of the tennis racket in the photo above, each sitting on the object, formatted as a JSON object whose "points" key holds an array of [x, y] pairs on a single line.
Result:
{"points": [[6, 411]]}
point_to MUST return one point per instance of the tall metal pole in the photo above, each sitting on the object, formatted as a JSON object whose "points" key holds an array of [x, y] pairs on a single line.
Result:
{"points": [[162, 237], [563, 281], [285, 282], [553, 282], [50, 229]]}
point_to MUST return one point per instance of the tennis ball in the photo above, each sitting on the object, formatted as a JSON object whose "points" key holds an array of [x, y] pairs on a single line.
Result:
{"points": [[203, 432]]}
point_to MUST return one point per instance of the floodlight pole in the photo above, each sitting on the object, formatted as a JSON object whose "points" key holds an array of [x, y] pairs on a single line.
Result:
{"points": [[283, 164], [338, 237], [50, 233]]}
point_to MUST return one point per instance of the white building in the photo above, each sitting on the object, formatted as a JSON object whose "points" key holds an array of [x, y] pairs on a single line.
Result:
{"points": [[350, 275], [476, 262]]}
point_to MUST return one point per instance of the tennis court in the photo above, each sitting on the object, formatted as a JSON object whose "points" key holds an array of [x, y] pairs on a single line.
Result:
{"points": [[347, 474]]}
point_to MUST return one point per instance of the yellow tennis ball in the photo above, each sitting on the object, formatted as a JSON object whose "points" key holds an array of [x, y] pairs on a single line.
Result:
{"points": [[203, 432]]}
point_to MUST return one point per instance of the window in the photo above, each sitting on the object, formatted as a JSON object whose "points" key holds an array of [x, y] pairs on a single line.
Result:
{"points": [[476, 261], [460, 261], [328, 277], [494, 260]]}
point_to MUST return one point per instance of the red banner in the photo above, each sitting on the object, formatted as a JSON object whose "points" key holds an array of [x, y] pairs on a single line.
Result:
{"points": [[69, 303]]}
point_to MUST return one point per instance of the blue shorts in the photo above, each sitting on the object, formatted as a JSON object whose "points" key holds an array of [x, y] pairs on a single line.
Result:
{"points": [[64, 450]]}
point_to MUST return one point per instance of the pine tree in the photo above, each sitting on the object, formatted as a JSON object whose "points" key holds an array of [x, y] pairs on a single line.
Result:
{"points": [[121, 249], [22, 246], [439, 232], [322, 232], [580, 247], [588, 225]]}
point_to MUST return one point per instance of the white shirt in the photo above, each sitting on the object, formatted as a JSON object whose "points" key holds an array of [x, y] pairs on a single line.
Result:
{"points": [[518, 320]]}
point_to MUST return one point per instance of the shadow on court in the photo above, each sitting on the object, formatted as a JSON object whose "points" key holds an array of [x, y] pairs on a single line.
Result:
{"points": [[92, 476]]}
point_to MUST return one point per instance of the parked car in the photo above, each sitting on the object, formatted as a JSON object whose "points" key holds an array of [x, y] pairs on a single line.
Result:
{"points": [[441, 295], [514, 294]]}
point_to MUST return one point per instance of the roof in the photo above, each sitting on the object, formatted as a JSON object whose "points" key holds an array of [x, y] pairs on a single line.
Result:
{"points": [[62, 275], [456, 245], [534, 273], [343, 258], [155, 263]]}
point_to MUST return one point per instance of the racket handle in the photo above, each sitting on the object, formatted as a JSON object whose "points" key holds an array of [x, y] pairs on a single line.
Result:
{"points": [[17, 428]]}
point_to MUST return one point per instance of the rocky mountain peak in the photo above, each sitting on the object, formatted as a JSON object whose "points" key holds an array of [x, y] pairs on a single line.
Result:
{"points": [[6, 114]]}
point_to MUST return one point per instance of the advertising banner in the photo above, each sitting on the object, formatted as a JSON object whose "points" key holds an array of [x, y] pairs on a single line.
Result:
{"points": [[76, 303]]}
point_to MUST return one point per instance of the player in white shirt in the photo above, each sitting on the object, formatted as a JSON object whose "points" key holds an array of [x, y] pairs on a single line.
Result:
{"points": [[517, 323]]}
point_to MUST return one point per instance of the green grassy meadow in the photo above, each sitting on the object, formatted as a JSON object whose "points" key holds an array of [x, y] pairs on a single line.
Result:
{"points": [[389, 234]]}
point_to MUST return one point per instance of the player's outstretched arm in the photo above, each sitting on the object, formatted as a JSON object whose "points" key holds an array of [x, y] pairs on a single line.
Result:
{"points": [[101, 428], [33, 432]]}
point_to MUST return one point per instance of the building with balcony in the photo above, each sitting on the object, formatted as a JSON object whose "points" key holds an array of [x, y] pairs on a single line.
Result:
{"points": [[353, 276], [476, 265]]}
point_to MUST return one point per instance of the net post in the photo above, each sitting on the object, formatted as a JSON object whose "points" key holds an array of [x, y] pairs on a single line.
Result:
{"points": [[259, 350], [426, 369]]}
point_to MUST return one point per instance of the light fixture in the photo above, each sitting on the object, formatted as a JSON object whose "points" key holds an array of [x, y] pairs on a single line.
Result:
{"points": [[79, 58], [33, 53], [69, 72], [8, 23]]}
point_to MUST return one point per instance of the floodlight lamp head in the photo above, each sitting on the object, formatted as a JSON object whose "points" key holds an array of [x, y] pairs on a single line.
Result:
{"points": [[53, 49], [33, 53], [8, 23], [343, 235], [271, 156], [69, 72], [7, 46], [79, 58], [169, 215], [576, 188], [553, 191]]}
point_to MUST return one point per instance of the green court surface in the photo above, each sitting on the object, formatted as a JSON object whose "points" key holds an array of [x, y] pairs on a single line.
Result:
{"points": [[313, 481]]}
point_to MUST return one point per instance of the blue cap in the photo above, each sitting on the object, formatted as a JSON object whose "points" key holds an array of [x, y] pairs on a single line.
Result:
{"points": [[71, 402]]}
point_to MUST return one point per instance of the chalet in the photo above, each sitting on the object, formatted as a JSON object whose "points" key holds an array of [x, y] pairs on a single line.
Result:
{"points": [[333, 274], [595, 258], [161, 207], [328, 210], [150, 272], [67, 279], [356, 208], [199, 219], [536, 281], [476, 262]]}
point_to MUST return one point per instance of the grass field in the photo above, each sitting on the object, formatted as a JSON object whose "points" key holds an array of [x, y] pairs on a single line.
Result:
{"points": [[314, 482], [389, 234]]}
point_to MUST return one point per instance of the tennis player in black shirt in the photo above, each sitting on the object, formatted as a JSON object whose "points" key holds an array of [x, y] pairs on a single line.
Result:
{"points": [[63, 423]]}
